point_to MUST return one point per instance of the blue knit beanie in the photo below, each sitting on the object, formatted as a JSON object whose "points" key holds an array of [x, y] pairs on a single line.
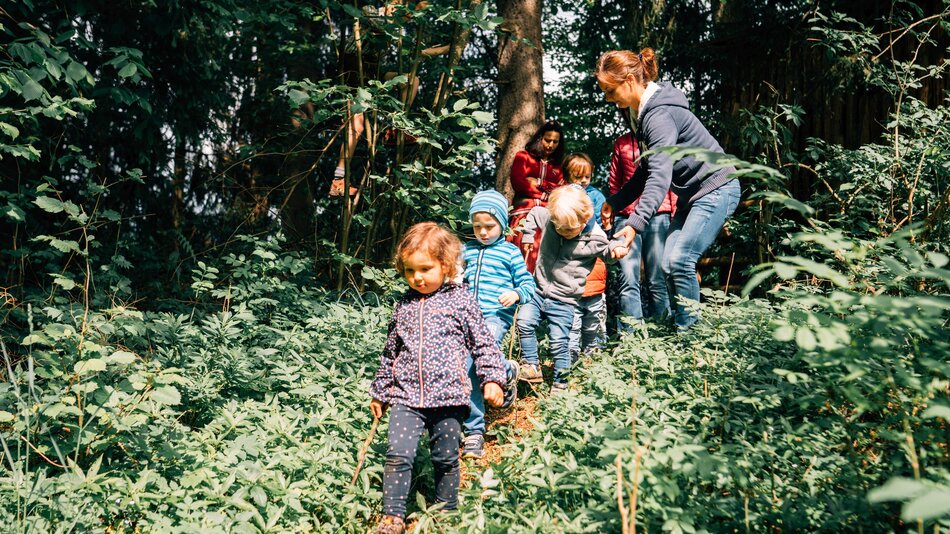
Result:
{"points": [[493, 203]]}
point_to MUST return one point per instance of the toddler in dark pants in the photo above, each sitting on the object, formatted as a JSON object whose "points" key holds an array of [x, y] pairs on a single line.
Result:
{"points": [[423, 373]]}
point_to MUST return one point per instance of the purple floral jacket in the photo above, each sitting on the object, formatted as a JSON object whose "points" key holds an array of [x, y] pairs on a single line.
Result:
{"points": [[423, 364]]}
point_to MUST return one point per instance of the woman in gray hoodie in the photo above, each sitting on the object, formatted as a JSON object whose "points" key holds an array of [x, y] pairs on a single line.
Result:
{"points": [[708, 194]]}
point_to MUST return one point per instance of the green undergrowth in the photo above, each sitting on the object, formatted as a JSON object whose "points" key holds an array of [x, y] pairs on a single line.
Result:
{"points": [[735, 431], [818, 410]]}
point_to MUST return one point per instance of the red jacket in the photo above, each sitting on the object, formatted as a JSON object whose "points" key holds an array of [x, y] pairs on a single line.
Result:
{"points": [[527, 166], [622, 164]]}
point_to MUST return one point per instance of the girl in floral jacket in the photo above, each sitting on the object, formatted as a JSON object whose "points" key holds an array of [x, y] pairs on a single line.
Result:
{"points": [[423, 371]]}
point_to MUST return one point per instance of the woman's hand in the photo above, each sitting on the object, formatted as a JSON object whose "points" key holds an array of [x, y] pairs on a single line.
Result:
{"points": [[526, 248], [378, 408], [493, 394], [509, 298], [628, 233], [606, 216]]}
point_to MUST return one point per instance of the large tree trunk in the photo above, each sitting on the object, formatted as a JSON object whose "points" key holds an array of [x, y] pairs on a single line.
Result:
{"points": [[521, 83], [297, 216]]}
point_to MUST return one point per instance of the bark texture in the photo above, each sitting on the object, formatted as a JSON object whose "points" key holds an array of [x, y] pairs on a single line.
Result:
{"points": [[521, 83]]}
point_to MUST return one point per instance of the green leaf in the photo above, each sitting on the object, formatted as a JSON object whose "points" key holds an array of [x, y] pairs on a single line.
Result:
{"points": [[483, 117], [805, 339], [128, 70], [5, 417], [937, 410], [14, 213], [11, 131], [33, 338], [784, 333], [896, 489], [31, 90], [931, 505], [63, 245], [757, 279], [63, 282], [89, 366], [298, 97], [121, 357], [53, 68], [937, 259], [49, 204], [167, 395], [785, 271], [76, 71]]}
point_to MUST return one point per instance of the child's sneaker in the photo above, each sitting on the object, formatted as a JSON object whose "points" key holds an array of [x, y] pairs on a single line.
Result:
{"points": [[473, 446], [531, 373], [391, 524], [511, 387], [558, 388]]}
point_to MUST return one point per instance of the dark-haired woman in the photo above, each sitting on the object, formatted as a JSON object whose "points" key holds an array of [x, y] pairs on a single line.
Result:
{"points": [[535, 172], [707, 195]]}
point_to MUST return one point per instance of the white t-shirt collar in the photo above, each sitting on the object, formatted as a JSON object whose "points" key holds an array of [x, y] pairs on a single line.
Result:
{"points": [[652, 88]]}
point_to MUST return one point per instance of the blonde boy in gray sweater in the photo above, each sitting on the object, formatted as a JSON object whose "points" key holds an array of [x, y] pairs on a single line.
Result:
{"points": [[570, 244]]}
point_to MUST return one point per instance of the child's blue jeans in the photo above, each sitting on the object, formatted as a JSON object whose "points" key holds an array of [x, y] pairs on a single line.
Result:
{"points": [[405, 428], [589, 330], [560, 317], [475, 424]]}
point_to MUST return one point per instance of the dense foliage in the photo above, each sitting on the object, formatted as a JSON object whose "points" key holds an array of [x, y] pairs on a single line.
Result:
{"points": [[190, 322]]}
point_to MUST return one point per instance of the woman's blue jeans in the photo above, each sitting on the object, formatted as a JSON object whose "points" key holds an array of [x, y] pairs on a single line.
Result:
{"points": [[654, 299], [692, 232]]}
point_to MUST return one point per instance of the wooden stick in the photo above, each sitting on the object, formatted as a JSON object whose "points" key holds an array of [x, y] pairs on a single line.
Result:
{"points": [[729, 276], [362, 457], [620, 504]]}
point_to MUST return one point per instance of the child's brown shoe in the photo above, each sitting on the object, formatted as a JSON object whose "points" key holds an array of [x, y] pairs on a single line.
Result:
{"points": [[531, 373], [391, 524]]}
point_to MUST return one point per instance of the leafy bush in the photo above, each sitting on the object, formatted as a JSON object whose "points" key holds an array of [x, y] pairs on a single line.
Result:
{"points": [[246, 417]]}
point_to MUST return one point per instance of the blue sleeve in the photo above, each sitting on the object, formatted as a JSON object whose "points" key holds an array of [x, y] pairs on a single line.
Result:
{"points": [[489, 366], [523, 281], [597, 198]]}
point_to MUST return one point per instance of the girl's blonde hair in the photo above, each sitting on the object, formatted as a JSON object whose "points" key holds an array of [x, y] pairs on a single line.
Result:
{"points": [[576, 163], [439, 243], [570, 207], [614, 66]]}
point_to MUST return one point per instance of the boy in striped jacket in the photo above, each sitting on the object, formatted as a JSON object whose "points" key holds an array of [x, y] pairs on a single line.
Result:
{"points": [[496, 275]]}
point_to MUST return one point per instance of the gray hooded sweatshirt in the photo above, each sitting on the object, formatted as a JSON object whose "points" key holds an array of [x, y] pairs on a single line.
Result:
{"points": [[667, 121], [564, 264]]}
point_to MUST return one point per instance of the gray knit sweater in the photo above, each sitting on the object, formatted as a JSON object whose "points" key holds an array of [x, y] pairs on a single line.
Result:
{"points": [[563, 264]]}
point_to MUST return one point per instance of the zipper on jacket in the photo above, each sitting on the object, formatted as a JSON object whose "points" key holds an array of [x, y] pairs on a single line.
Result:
{"points": [[422, 391], [478, 271]]}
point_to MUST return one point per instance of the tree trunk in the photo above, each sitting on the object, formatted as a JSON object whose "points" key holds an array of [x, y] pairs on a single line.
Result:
{"points": [[178, 187], [297, 216], [521, 83]]}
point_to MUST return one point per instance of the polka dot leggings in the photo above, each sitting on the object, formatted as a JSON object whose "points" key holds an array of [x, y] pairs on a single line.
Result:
{"points": [[405, 428]]}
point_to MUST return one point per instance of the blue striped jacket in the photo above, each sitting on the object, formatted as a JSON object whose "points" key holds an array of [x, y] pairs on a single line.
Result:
{"points": [[491, 270]]}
